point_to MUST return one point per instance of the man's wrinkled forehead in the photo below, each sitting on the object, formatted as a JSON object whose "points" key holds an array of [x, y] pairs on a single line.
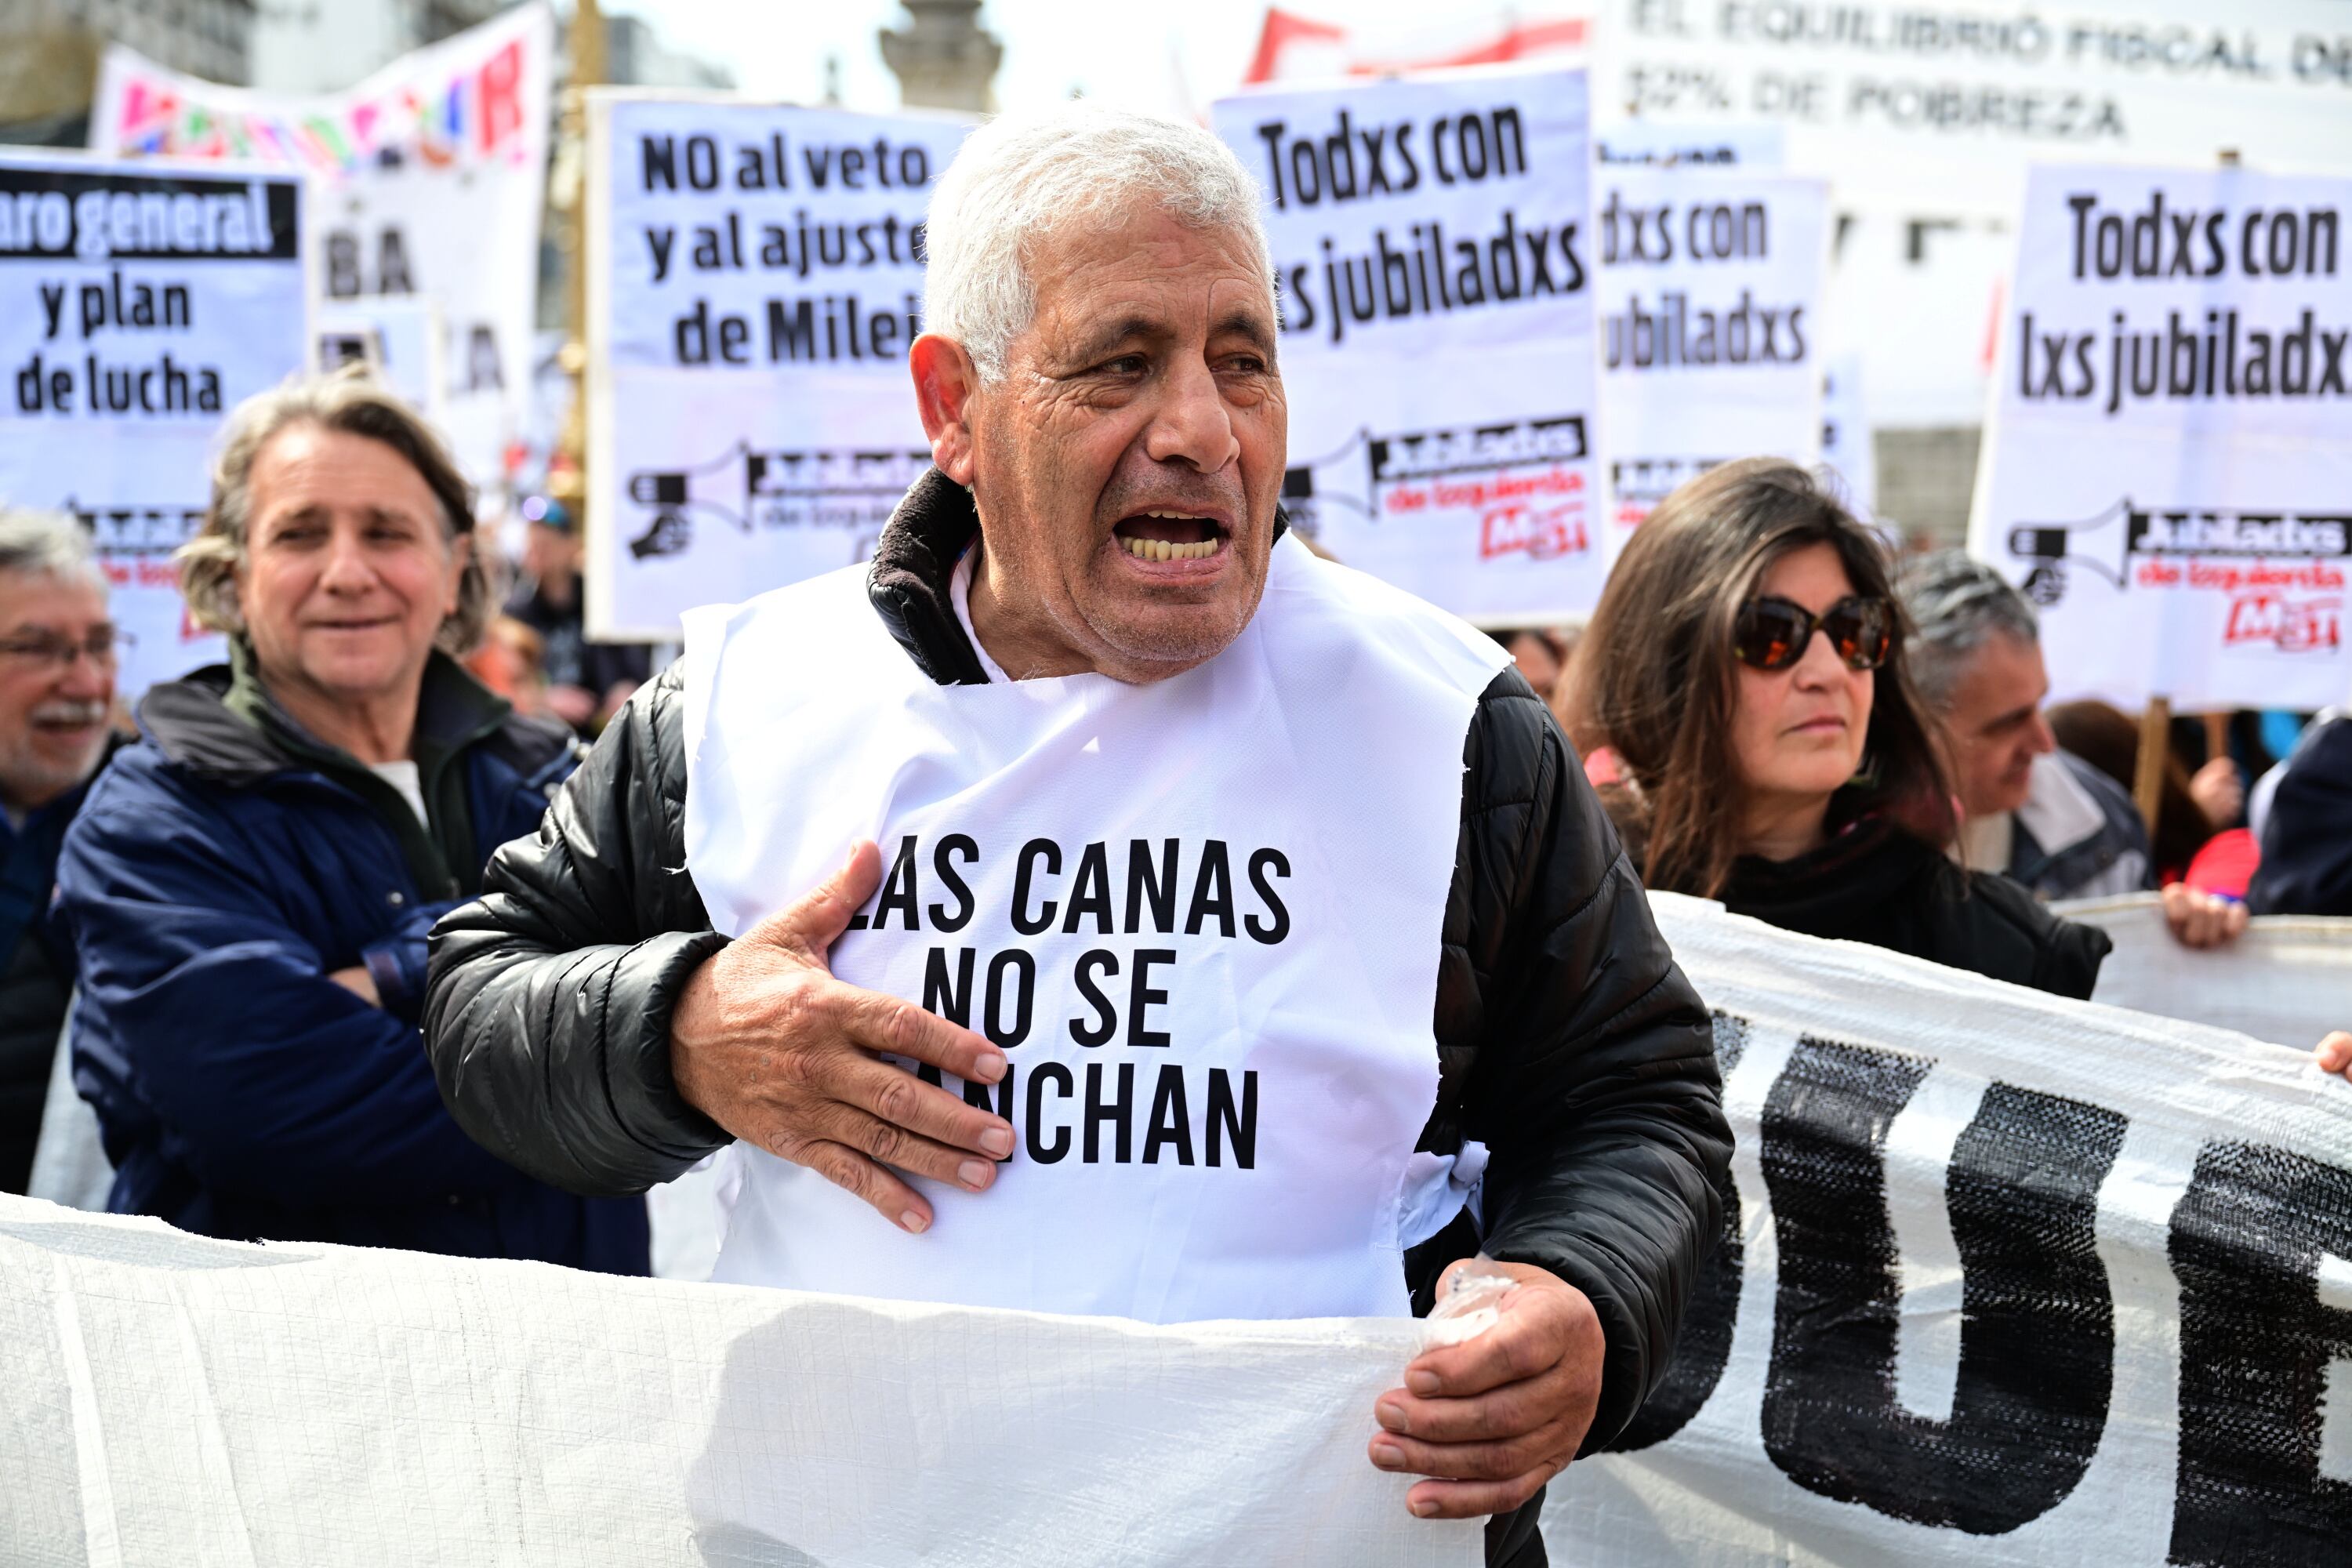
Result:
{"points": [[1099, 284]]}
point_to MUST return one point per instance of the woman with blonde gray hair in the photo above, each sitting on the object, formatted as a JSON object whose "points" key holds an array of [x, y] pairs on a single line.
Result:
{"points": [[1741, 696], [250, 886]]}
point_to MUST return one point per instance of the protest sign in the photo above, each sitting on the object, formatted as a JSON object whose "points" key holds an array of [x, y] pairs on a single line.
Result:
{"points": [[1710, 293], [755, 278], [2169, 469], [139, 303], [2287, 979], [433, 174], [1920, 110], [1846, 447], [2005, 1281], [175, 1399], [399, 341], [1430, 245]]}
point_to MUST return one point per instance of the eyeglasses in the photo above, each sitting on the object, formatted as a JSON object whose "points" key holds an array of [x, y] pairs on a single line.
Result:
{"points": [[1773, 634], [103, 648]]}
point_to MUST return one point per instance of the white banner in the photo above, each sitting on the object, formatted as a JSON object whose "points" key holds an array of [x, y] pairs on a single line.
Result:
{"points": [[1920, 111], [2007, 1280], [2288, 979], [1710, 297], [755, 280], [172, 1399], [138, 302], [1431, 241], [2169, 469], [433, 173]]}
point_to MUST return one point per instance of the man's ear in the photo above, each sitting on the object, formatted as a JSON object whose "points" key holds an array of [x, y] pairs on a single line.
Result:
{"points": [[945, 382]]}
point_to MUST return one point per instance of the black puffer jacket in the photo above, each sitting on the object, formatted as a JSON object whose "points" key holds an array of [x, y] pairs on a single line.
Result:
{"points": [[1875, 883], [1569, 1042]]}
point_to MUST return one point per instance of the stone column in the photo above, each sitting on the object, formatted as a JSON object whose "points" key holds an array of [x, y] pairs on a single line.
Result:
{"points": [[943, 60]]}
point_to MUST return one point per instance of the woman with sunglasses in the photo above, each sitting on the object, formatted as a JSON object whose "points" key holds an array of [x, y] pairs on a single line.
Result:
{"points": [[1740, 691]]}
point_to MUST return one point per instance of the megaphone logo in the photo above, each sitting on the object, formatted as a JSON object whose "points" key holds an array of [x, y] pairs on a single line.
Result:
{"points": [[2124, 530], [2050, 548], [759, 488], [675, 497]]}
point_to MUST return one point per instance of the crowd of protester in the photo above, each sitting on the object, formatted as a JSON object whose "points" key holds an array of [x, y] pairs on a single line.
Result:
{"points": [[234, 898]]}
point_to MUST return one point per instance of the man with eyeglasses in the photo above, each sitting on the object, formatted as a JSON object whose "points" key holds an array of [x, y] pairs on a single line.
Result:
{"points": [[57, 697]]}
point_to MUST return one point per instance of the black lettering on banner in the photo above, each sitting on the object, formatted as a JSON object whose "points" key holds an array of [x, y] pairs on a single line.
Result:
{"points": [[1140, 995], [1100, 1032], [1119, 1112], [1154, 887], [1227, 1121], [1212, 890], [1704, 1347], [2037, 1336], [1277, 925], [2256, 1342], [898, 890], [1041, 1075], [1036, 849], [943, 999], [1171, 1119], [1024, 995], [961, 847], [1091, 892]]}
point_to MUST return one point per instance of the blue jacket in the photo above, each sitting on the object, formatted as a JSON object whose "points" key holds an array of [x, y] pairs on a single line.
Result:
{"points": [[219, 872]]}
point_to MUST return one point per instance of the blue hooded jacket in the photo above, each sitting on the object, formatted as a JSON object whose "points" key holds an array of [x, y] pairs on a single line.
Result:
{"points": [[221, 870]]}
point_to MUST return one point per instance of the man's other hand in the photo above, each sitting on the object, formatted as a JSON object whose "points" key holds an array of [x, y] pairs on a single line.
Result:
{"points": [[2335, 1053], [1495, 1416], [2202, 920], [769, 1045]]}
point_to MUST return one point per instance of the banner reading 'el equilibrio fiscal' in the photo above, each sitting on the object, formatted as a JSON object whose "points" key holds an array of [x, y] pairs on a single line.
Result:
{"points": [[1430, 243], [139, 303], [2169, 470], [755, 280]]}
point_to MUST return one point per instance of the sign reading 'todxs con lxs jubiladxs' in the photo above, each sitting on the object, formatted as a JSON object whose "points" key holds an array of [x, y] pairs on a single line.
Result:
{"points": [[1430, 248], [2168, 473]]}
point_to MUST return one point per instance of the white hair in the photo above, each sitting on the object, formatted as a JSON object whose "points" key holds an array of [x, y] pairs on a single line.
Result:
{"points": [[1021, 178], [46, 543]]}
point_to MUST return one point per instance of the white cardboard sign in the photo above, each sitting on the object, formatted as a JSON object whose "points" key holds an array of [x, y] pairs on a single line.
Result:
{"points": [[1710, 296], [139, 303], [1431, 244], [755, 280], [2168, 472], [432, 175]]}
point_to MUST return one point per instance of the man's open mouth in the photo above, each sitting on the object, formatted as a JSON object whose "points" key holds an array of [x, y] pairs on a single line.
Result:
{"points": [[1169, 536]]}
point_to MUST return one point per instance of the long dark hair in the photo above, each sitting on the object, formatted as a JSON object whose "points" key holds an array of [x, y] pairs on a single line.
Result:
{"points": [[1654, 678]]}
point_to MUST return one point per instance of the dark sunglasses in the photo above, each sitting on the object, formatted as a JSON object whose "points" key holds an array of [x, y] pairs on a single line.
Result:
{"points": [[1773, 634]]}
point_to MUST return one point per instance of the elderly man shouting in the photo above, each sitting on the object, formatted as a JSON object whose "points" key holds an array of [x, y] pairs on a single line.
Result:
{"points": [[1235, 915]]}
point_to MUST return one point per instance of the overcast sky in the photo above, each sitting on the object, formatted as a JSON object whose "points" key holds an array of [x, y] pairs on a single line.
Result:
{"points": [[1111, 49]]}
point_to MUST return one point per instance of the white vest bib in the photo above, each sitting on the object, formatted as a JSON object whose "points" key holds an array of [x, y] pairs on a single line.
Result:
{"points": [[1203, 917]]}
